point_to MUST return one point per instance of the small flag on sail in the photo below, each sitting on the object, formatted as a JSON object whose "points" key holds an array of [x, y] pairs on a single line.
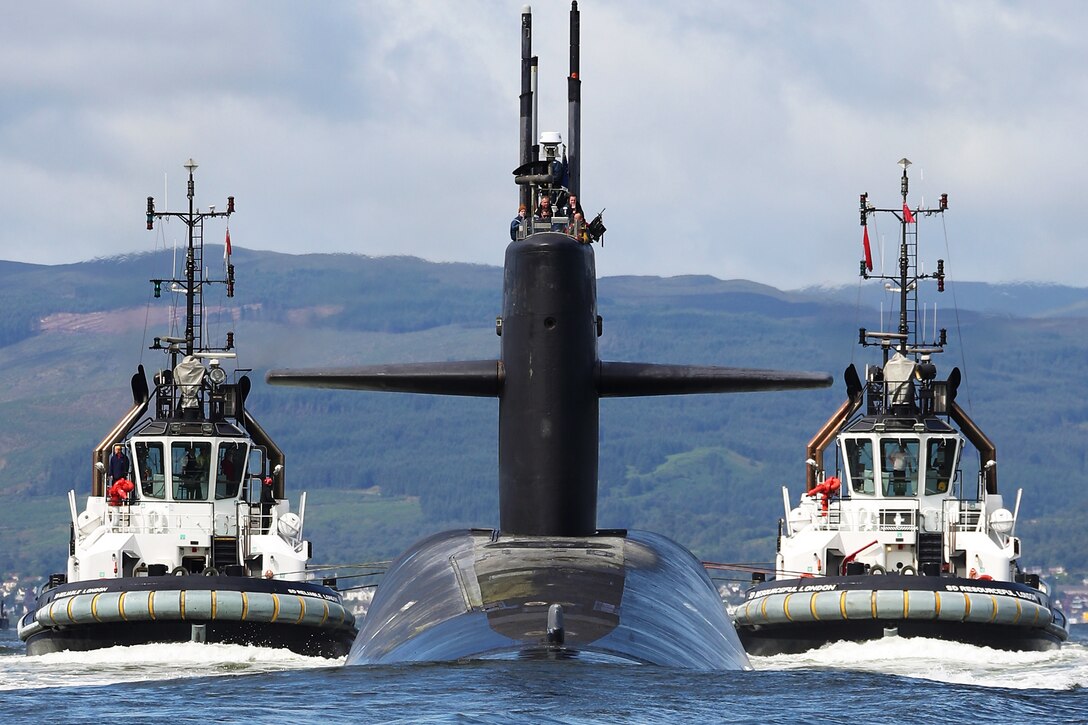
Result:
{"points": [[868, 250], [226, 246], [907, 216]]}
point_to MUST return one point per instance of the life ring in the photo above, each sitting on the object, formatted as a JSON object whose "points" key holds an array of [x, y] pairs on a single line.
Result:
{"points": [[877, 569], [908, 570], [211, 571], [179, 571]]}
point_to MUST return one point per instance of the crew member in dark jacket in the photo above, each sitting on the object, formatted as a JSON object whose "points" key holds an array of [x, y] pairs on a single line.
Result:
{"points": [[119, 464], [516, 224], [571, 207], [268, 500]]}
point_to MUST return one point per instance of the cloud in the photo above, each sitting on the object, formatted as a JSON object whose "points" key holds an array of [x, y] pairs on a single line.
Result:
{"points": [[729, 139]]}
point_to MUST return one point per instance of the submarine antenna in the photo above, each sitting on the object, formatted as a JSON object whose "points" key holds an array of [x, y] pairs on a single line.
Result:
{"points": [[528, 64], [574, 106]]}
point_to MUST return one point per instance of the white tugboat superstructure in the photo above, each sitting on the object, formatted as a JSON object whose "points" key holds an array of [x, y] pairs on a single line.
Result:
{"points": [[188, 533], [897, 541]]}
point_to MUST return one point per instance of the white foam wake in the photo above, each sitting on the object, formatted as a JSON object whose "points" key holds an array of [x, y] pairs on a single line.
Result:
{"points": [[942, 661], [148, 662]]}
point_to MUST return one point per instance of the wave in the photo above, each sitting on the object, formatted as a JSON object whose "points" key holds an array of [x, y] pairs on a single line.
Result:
{"points": [[946, 662], [148, 663]]}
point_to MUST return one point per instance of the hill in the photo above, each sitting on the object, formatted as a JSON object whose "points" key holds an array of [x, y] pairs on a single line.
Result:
{"points": [[384, 469]]}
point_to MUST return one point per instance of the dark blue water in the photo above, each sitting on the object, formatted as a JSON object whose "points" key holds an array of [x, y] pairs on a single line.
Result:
{"points": [[894, 682]]}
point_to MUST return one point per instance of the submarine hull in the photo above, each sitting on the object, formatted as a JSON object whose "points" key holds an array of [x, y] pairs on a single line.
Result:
{"points": [[624, 596]]}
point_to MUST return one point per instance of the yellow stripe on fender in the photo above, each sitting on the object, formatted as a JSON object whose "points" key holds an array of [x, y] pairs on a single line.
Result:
{"points": [[94, 607], [121, 606], [275, 607], [151, 603], [842, 605], [301, 609], [245, 606], [786, 607]]}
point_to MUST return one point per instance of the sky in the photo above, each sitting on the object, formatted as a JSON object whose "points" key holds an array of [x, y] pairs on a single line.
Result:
{"points": [[721, 138]]}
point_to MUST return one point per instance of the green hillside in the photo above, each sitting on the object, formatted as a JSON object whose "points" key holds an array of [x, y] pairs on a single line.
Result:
{"points": [[382, 470]]}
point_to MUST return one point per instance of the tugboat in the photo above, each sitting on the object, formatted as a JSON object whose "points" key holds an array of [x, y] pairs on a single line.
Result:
{"points": [[187, 534], [898, 541]]}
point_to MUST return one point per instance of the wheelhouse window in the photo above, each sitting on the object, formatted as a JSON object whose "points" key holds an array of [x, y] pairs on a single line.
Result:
{"points": [[190, 463], [941, 454], [899, 466], [859, 465], [231, 465], [150, 470]]}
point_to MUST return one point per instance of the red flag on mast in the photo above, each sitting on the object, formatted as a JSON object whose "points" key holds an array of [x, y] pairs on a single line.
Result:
{"points": [[907, 216], [868, 250], [226, 248]]}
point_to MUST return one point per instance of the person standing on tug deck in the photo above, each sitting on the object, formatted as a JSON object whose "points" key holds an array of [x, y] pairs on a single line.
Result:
{"points": [[119, 464]]}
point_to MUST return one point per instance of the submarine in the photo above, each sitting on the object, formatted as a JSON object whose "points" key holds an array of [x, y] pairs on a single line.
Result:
{"points": [[548, 583]]}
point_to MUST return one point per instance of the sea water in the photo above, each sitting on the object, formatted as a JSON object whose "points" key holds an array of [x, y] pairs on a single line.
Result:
{"points": [[888, 681]]}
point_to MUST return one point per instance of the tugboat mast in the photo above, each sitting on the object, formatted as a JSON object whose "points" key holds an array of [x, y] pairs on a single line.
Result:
{"points": [[907, 278], [194, 304], [904, 261]]}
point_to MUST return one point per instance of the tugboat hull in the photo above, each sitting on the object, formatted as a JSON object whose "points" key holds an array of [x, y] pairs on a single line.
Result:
{"points": [[796, 615], [304, 618]]}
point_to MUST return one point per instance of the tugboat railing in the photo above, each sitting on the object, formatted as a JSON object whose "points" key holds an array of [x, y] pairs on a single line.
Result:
{"points": [[869, 518], [959, 516], [128, 519]]}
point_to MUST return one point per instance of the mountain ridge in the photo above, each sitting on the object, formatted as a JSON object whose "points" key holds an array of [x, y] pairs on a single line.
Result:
{"points": [[73, 334]]}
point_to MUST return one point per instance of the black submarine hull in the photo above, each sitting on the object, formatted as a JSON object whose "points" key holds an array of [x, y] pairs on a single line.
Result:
{"points": [[626, 597]]}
